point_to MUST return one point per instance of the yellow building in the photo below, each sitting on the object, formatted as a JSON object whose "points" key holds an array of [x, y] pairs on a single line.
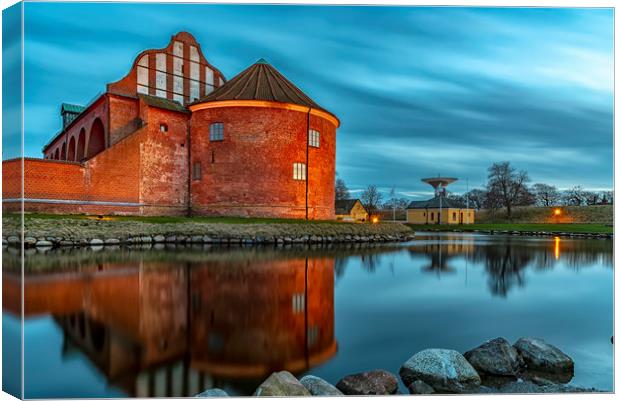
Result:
{"points": [[350, 210], [439, 210]]}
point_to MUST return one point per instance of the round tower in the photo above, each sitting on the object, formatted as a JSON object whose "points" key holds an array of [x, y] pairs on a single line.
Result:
{"points": [[261, 147]]}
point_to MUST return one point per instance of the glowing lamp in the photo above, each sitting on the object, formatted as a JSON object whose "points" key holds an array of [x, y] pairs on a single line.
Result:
{"points": [[557, 212], [375, 220]]}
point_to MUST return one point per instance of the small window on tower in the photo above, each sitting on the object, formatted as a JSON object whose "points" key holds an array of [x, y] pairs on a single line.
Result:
{"points": [[163, 127], [216, 132], [197, 171], [299, 171], [313, 138]]}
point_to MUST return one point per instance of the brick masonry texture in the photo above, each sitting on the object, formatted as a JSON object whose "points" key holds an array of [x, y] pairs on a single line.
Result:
{"points": [[138, 156], [250, 172]]}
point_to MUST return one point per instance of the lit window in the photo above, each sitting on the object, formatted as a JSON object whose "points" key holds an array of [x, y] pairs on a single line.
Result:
{"points": [[299, 303], [216, 132], [197, 171], [163, 127], [313, 138], [313, 335], [299, 171]]}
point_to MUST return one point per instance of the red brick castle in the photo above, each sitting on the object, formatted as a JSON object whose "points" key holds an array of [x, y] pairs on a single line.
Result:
{"points": [[173, 137]]}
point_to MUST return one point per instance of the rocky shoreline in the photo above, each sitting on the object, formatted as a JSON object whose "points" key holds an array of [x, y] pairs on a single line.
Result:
{"points": [[46, 233], [530, 365], [531, 233], [51, 242]]}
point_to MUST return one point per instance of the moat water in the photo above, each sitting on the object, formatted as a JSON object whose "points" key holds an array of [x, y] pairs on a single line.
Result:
{"points": [[176, 321]]}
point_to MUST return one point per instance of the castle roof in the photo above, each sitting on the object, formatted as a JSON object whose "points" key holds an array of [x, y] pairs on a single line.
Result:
{"points": [[71, 108], [162, 103], [446, 203], [261, 81]]}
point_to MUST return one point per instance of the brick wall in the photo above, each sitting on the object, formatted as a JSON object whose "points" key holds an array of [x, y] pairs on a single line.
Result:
{"points": [[84, 123], [250, 172], [164, 167], [124, 116]]}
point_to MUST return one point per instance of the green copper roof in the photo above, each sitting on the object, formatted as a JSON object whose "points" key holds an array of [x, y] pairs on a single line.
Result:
{"points": [[71, 108], [261, 61]]}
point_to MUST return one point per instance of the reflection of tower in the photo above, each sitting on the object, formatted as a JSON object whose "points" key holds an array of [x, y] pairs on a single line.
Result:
{"points": [[250, 319], [439, 184]]}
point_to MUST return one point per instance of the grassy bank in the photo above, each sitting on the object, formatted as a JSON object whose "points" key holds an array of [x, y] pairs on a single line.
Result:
{"points": [[598, 214], [565, 228], [75, 228]]}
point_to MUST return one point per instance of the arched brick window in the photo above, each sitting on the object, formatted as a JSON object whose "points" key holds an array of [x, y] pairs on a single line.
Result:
{"points": [[63, 153], [71, 154], [81, 144], [96, 139]]}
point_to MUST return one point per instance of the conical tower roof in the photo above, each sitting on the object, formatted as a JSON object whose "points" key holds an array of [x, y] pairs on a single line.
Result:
{"points": [[261, 81]]}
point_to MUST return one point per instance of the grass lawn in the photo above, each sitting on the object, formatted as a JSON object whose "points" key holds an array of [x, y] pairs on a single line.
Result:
{"points": [[175, 219], [567, 228]]}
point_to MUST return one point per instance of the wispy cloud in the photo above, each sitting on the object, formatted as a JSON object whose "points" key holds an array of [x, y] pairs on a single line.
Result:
{"points": [[419, 90]]}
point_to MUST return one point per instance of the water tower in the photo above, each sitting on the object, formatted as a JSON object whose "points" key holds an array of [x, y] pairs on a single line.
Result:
{"points": [[439, 184]]}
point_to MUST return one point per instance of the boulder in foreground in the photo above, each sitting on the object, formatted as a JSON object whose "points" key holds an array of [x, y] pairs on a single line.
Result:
{"points": [[317, 386], [495, 357], [375, 382], [281, 384], [419, 387], [541, 356], [443, 369], [213, 392]]}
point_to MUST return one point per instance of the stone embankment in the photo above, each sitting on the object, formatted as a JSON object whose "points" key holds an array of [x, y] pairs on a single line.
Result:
{"points": [[530, 365], [532, 233], [85, 232]]}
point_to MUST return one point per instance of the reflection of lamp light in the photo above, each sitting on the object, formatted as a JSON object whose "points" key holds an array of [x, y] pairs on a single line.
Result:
{"points": [[556, 249]]}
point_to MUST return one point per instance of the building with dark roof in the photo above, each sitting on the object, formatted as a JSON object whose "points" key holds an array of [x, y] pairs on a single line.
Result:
{"points": [[439, 210], [175, 137], [351, 210]]}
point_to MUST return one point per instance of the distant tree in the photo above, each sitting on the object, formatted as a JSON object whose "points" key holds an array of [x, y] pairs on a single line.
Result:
{"points": [[546, 195], [607, 197], [591, 197], [371, 199], [476, 198], [395, 203], [574, 196], [506, 186], [342, 192], [455, 197], [525, 198]]}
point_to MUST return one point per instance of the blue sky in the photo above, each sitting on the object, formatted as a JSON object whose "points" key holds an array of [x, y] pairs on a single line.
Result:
{"points": [[419, 91]]}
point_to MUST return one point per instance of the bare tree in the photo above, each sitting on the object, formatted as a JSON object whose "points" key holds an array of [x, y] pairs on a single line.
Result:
{"points": [[371, 199], [476, 198], [574, 196], [342, 192], [591, 197], [607, 197], [507, 185], [546, 195]]}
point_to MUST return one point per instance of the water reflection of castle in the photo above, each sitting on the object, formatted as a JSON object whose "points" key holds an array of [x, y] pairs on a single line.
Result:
{"points": [[175, 329]]}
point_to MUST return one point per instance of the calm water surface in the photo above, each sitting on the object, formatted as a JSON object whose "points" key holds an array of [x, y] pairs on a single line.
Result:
{"points": [[173, 322]]}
